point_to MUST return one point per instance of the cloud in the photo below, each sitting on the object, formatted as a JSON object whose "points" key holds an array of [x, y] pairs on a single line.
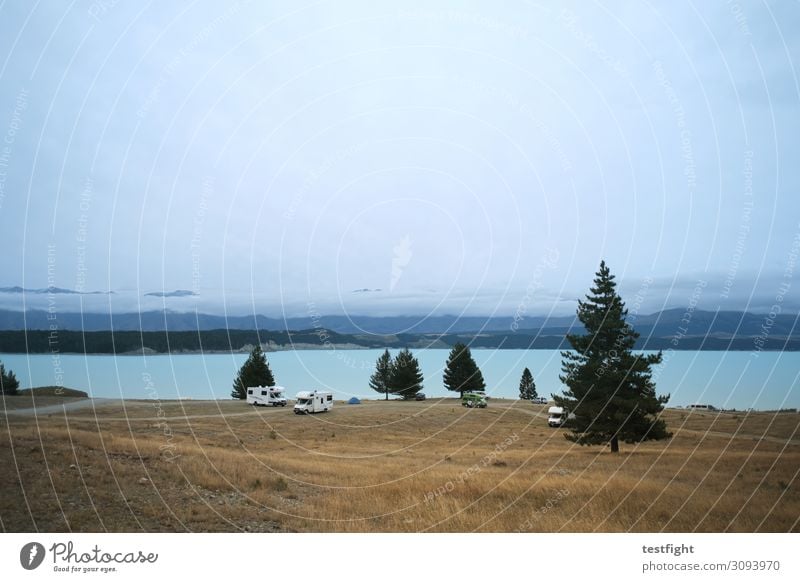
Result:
{"points": [[50, 291], [176, 293], [361, 167]]}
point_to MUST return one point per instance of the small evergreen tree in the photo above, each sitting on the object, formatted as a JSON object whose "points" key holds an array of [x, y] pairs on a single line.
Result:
{"points": [[527, 387], [254, 372], [610, 390], [406, 377], [8, 382], [382, 377], [461, 373]]}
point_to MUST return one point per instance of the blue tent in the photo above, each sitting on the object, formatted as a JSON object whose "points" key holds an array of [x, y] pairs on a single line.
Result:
{"points": [[354, 400]]}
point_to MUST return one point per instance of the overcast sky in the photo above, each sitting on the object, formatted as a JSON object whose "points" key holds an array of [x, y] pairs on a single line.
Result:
{"points": [[369, 159]]}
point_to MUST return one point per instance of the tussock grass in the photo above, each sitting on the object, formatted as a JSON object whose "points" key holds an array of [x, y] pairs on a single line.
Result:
{"points": [[393, 466]]}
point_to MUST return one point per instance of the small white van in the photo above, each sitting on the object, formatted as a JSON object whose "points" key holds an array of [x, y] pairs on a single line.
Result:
{"points": [[315, 401], [266, 395]]}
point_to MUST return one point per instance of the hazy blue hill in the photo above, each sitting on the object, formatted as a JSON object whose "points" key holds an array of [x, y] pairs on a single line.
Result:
{"points": [[177, 321], [673, 322]]}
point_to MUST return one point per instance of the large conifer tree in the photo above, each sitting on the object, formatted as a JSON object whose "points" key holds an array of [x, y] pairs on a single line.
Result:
{"points": [[406, 377], [610, 390], [461, 373], [527, 387], [254, 372], [381, 379]]}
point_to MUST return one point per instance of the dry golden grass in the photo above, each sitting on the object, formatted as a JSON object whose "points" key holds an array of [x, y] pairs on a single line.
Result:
{"points": [[389, 466]]}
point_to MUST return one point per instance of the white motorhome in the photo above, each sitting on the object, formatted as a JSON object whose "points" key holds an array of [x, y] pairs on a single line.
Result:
{"points": [[556, 416], [314, 401], [266, 395], [701, 407]]}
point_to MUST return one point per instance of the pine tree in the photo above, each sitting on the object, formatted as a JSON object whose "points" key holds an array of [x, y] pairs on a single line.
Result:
{"points": [[527, 387], [461, 373], [610, 390], [406, 377], [8, 382], [254, 372], [382, 377]]}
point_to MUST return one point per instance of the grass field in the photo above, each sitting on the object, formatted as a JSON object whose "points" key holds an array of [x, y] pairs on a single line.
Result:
{"points": [[388, 467]]}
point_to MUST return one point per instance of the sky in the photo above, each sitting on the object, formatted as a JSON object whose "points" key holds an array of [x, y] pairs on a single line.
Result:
{"points": [[364, 158]]}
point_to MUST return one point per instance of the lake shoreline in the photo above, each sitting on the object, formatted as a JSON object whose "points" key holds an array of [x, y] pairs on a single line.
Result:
{"points": [[724, 379]]}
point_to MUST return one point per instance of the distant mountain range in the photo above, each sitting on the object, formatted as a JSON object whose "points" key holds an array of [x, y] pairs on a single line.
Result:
{"points": [[172, 332], [61, 291], [53, 290], [665, 324]]}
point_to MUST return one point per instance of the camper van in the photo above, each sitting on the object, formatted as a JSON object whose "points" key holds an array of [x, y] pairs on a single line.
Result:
{"points": [[266, 396], [556, 416], [474, 400], [701, 407], [315, 401]]}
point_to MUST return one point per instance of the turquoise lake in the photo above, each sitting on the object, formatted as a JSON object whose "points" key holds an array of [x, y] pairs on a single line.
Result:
{"points": [[764, 380]]}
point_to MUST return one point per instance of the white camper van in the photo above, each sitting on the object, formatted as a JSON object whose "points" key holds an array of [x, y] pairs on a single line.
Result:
{"points": [[701, 407], [266, 395], [314, 401], [556, 416]]}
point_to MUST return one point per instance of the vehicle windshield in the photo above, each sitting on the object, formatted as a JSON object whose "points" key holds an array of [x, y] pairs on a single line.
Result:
{"points": [[303, 400]]}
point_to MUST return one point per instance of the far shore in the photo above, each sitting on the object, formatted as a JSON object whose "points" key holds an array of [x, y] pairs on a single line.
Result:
{"points": [[332, 348]]}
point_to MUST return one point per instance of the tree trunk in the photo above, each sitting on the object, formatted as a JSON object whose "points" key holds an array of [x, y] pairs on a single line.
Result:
{"points": [[614, 444], [387, 395]]}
